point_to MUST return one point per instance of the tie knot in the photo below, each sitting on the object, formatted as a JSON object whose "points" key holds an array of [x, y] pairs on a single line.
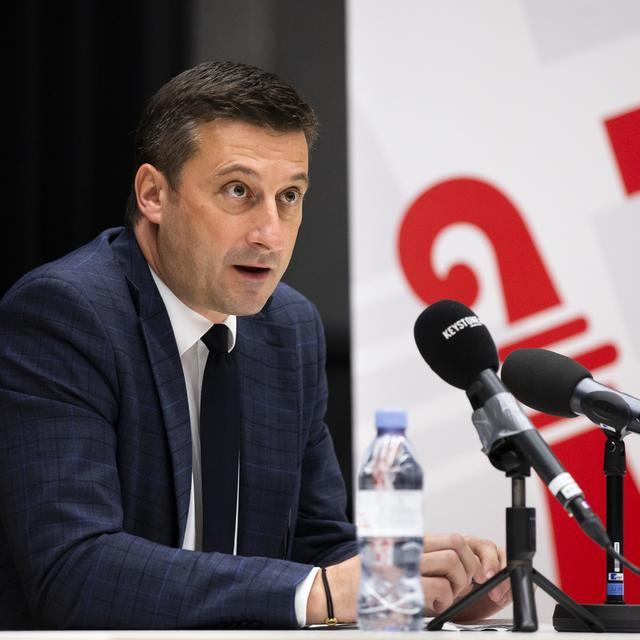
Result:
{"points": [[217, 339]]}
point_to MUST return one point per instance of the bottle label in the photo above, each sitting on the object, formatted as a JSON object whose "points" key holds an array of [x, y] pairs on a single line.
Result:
{"points": [[389, 513]]}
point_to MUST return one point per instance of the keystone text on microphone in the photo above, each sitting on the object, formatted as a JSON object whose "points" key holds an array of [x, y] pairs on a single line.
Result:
{"points": [[459, 325]]}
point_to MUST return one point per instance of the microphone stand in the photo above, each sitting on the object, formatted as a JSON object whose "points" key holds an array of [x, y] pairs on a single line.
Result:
{"points": [[521, 547], [614, 614]]}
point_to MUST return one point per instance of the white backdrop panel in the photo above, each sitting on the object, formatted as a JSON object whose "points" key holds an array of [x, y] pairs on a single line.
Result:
{"points": [[515, 95]]}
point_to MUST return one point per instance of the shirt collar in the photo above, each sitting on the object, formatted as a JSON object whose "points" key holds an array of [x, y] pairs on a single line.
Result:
{"points": [[188, 325]]}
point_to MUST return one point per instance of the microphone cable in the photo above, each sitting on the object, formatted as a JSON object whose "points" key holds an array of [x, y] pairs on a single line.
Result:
{"points": [[622, 560]]}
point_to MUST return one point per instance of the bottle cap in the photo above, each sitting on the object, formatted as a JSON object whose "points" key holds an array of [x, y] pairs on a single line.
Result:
{"points": [[393, 419]]}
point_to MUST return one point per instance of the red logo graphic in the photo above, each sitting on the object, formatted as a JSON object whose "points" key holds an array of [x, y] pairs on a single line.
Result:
{"points": [[624, 135], [527, 289]]}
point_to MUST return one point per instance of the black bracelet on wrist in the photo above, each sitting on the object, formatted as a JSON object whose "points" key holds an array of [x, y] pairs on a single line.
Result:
{"points": [[330, 619]]}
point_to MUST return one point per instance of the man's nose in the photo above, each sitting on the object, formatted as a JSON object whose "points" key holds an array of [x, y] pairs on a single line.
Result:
{"points": [[266, 229]]}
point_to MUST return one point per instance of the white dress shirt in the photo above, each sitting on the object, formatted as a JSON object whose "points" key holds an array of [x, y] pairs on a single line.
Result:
{"points": [[188, 327]]}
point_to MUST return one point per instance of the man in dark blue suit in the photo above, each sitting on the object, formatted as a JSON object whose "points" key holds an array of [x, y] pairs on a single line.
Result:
{"points": [[102, 363]]}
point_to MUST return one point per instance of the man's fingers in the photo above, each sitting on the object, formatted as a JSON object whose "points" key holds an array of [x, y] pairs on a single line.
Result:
{"points": [[502, 593], [438, 595], [446, 564], [459, 560], [492, 560], [457, 543], [488, 554]]}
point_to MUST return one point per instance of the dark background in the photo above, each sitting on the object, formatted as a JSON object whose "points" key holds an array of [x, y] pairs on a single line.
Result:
{"points": [[78, 74]]}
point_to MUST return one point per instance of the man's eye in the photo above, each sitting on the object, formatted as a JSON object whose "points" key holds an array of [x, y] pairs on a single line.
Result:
{"points": [[237, 190], [291, 196]]}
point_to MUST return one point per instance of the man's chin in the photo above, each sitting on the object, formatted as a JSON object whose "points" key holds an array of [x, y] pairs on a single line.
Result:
{"points": [[249, 308]]}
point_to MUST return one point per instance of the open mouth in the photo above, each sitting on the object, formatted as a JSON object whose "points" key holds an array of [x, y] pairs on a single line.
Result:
{"points": [[252, 270]]}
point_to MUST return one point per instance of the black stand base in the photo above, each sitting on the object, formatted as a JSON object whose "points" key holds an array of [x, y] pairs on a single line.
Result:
{"points": [[521, 547], [521, 527], [613, 615], [525, 619], [623, 618]]}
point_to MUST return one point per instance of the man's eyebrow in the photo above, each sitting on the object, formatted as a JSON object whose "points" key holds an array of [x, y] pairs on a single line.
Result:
{"points": [[237, 167], [300, 177], [241, 168]]}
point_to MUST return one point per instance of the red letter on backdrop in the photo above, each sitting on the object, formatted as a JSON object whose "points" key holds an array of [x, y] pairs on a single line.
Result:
{"points": [[624, 133]]}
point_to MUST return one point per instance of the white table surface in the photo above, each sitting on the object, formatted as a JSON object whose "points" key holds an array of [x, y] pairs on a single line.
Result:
{"points": [[544, 633]]}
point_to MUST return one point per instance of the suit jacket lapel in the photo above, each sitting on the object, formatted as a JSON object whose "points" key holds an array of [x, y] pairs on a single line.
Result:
{"points": [[270, 443], [165, 366], [268, 359]]}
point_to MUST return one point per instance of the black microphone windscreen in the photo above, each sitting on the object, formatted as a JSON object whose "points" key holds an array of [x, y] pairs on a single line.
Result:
{"points": [[454, 343], [543, 380]]}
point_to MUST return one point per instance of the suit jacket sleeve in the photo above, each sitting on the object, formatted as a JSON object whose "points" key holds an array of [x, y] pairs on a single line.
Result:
{"points": [[64, 543], [323, 535]]}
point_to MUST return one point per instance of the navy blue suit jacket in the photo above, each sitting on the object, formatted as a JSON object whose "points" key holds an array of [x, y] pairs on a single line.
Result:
{"points": [[95, 456]]}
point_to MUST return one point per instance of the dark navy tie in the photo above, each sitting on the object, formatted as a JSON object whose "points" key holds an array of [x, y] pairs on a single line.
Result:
{"points": [[219, 442]]}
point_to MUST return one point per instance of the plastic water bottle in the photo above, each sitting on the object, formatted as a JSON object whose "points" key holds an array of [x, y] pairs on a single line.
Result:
{"points": [[390, 530]]}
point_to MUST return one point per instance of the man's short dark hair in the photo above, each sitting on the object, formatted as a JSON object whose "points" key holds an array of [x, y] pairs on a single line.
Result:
{"points": [[166, 136]]}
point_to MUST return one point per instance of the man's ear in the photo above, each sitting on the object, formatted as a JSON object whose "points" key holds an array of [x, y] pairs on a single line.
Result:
{"points": [[152, 191]]}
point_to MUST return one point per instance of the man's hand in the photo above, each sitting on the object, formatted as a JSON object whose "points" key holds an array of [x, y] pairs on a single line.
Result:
{"points": [[450, 567]]}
